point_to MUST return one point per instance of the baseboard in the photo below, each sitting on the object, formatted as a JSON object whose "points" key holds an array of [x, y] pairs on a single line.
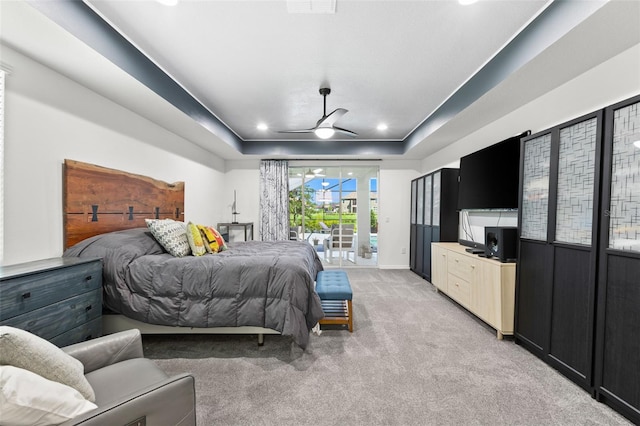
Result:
{"points": [[393, 266]]}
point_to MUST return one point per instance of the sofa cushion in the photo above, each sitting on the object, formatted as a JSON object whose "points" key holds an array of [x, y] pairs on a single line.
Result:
{"points": [[29, 399], [124, 378], [30, 352]]}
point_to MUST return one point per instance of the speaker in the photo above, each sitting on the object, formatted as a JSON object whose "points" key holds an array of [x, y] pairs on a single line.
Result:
{"points": [[501, 242]]}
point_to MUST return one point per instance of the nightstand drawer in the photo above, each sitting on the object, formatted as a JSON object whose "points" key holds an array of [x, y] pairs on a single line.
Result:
{"points": [[459, 290], [25, 293], [55, 319], [87, 331]]}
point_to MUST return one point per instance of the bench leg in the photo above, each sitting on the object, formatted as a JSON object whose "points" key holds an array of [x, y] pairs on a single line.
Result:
{"points": [[350, 309]]}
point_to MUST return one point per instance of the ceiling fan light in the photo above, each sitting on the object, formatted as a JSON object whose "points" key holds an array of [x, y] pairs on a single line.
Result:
{"points": [[324, 132]]}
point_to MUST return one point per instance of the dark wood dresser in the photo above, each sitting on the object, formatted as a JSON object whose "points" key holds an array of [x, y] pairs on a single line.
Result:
{"points": [[58, 299]]}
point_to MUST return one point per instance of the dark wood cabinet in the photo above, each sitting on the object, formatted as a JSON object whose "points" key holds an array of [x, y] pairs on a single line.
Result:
{"points": [[617, 358], [434, 216], [578, 285], [58, 299], [558, 245]]}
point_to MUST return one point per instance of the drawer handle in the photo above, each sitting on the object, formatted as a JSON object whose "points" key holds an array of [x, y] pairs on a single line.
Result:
{"points": [[26, 295], [88, 308], [88, 278]]}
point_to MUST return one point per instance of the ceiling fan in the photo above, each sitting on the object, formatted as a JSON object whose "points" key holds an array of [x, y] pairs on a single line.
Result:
{"points": [[325, 127]]}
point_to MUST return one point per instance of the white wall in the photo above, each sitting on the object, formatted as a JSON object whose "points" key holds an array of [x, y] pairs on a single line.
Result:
{"points": [[244, 178], [394, 213], [49, 118]]}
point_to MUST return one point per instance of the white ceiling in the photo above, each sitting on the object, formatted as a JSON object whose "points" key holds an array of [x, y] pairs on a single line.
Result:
{"points": [[393, 62]]}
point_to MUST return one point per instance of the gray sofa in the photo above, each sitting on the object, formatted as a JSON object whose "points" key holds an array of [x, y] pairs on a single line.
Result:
{"points": [[130, 389]]}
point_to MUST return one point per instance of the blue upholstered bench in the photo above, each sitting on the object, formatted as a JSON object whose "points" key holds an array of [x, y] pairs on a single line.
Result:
{"points": [[336, 295]]}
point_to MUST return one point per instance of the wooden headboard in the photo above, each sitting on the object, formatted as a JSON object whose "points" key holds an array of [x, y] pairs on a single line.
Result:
{"points": [[97, 200]]}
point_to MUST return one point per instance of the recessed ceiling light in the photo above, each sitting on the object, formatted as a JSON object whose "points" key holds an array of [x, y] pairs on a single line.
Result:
{"points": [[382, 127], [325, 183], [466, 2], [168, 2], [262, 126], [637, 144]]}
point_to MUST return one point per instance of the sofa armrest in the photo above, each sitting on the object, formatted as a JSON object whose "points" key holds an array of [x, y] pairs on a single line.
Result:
{"points": [[171, 401], [107, 350]]}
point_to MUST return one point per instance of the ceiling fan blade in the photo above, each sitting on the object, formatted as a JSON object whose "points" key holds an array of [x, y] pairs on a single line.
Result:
{"points": [[344, 131], [297, 131], [330, 119]]}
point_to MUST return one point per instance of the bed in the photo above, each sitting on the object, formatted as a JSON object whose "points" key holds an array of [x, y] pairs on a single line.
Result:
{"points": [[253, 287]]}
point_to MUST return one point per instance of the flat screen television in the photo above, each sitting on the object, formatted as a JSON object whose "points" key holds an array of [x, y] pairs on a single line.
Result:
{"points": [[489, 177]]}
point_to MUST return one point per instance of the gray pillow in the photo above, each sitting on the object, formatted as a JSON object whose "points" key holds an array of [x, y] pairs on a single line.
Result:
{"points": [[30, 352]]}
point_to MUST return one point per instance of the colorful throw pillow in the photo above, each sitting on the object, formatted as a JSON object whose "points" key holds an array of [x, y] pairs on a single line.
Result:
{"points": [[195, 240], [27, 398], [213, 241], [171, 235], [30, 352]]}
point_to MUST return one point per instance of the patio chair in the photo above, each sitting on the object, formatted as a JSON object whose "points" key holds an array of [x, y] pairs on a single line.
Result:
{"points": [[341, 237], [324, 229]]}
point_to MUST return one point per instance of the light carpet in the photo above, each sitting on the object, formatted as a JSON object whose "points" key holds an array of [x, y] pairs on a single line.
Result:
{"points": [[414, 358]]}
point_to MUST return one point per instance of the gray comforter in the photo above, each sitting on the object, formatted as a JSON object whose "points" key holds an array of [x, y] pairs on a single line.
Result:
{"points": [[254, 283]]}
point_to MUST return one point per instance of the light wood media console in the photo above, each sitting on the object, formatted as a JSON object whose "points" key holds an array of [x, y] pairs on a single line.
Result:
{"points": [[486, 287]]}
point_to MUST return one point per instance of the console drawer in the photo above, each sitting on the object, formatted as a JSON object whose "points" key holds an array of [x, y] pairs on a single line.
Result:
{"points": [[459, 290], [460, 265]]}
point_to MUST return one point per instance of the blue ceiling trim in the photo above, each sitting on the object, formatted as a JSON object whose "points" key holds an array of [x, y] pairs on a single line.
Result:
{"points": [[554, 22], [324, 147]]}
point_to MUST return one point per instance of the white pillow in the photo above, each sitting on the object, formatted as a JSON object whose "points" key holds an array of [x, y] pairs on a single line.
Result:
{"points": [[25, 350], [29, 399], [171, 235]]}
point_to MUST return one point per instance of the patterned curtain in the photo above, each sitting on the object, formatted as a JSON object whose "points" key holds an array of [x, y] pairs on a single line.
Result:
{"points": [[274, 200]]}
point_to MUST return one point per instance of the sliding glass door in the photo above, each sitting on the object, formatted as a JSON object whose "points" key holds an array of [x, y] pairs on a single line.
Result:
{"points": [[335, 210]]}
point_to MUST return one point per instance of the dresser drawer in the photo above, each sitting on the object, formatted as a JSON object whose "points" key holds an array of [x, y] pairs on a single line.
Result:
{"points": [[459, 290], [460, 265], [57, 318], [29, 292], [88, 330]]}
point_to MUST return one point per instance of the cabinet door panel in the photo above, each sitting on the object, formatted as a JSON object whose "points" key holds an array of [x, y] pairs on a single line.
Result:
{"points": [[533, 297], [426, 254], [419, 249], [571, 319], [621, 361], [412, 248], [439, 267], [485, 293]]}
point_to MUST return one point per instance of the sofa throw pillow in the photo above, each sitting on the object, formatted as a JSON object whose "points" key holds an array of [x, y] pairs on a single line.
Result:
{"points": [[195, 240], [29, 399], [30, 352], [172, 235]]}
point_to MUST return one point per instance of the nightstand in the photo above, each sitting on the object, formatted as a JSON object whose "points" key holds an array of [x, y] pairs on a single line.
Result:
{"points": [[58, 299]]}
